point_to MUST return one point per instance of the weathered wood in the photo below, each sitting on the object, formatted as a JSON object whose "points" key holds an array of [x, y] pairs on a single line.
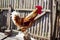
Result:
{"points": [[42, 27], [8, 20]]}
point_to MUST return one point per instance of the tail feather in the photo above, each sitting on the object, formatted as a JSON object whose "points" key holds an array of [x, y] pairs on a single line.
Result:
{"points": [[15, 17]]}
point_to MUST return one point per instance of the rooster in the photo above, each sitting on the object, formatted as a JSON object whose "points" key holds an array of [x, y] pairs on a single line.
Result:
{"points": [[24, 23]]}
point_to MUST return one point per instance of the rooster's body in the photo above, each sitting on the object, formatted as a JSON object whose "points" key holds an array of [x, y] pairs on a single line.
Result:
{"points": [[26, 22]]}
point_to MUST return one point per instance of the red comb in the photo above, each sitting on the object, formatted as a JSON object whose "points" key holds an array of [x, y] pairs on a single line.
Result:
{"points": [[39, 8]]}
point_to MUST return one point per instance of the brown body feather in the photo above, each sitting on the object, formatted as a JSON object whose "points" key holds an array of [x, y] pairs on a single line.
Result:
{"points": [[24, 23]]}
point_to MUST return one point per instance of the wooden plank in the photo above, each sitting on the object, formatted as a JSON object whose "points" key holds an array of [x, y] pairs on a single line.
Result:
{"points": [[41, 28], [34, 4], [38, 27], [49, 25], [46, 25], [2, 3], [47, 4], [31, 29], [27, 4], [24, 4], [34, 28], [31, 4], [7, 3], [16, 4], [19, 4], [38, 36], [40, 2], [8, 21]]}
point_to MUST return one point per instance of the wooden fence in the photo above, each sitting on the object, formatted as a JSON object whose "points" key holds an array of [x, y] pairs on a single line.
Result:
{"points": [[41, 29], [24, 4], [58, 26]]}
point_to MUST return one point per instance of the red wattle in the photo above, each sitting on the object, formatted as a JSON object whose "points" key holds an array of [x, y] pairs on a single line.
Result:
{"points": [[39, 8]]}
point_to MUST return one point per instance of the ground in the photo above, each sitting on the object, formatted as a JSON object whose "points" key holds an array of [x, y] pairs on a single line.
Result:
{"points": [[13, 36], [2, 35]]}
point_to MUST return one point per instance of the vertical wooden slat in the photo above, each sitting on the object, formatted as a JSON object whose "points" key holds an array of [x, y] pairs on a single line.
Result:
{"points": [[57, 28], [38, 27], [4, 3], [7, 3], [47, 4], [27, 4], [34, 3], [41, 28], [16, 3], [46, 24], [8, 20], [24, 4], [35, 28], [42, 3], [20, 4], [39, 2], [32, 29], [31, 4], [0, 3], [49, 25], [39, 31]]}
